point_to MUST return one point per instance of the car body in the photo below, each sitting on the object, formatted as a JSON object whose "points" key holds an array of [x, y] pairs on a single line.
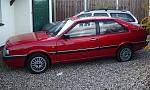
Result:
{"points": [[75, 39], [120, 14]]}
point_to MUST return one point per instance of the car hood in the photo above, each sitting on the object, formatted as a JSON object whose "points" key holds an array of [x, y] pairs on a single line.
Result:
{"points": [[27, 38]]}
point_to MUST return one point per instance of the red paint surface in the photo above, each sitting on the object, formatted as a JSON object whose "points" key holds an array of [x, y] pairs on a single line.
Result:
{"points": [[44, 43]]}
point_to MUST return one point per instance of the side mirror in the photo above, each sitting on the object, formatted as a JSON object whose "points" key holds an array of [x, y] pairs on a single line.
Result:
{"points": [[66, 36]]}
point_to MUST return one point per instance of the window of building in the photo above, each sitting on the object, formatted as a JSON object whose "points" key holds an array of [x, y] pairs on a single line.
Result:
{"points": [[11, 2]]}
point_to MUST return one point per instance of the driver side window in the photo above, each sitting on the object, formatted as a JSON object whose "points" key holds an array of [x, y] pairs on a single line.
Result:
{"points": [[83, 29]]}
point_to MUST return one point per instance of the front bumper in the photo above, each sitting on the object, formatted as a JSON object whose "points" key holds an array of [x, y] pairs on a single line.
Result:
{"points": [[17, 61]]}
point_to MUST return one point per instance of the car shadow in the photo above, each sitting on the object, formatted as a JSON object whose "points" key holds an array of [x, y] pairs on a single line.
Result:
{"points": [[139, 55], [88, 62]]}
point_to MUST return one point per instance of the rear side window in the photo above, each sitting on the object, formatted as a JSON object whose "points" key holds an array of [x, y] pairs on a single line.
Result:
{"points": [[84, 15], [110, 27], [123, 16], [101, 14]]}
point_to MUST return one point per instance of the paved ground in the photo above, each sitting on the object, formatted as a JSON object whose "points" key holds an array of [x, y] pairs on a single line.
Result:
{"points": [[99, 74]]}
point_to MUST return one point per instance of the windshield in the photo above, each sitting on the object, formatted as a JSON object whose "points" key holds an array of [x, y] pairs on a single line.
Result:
{"points": [[49, 26], [58, 27], [65, 27], [54, 28]]}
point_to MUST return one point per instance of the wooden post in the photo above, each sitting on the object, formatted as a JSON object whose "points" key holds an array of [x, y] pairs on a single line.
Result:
{"points": [[85, 5], [50, 12], [117, 4], [149, 7], [54, 10]]}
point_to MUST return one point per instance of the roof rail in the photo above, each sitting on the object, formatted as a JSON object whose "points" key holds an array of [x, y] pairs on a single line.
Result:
{"points": [[105, 10]]}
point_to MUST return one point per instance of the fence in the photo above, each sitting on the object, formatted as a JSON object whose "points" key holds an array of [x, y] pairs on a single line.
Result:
{"points": [[66, 8]]}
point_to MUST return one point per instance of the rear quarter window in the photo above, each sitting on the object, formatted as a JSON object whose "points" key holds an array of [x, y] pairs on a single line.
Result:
{"points": [[111, 27], [123, 16]]}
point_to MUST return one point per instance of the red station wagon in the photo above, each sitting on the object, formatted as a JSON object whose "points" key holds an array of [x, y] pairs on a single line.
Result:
{"points": [[75, 39]]}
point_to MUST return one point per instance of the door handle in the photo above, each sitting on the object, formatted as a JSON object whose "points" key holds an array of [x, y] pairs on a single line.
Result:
{"points": [[93, 39]]}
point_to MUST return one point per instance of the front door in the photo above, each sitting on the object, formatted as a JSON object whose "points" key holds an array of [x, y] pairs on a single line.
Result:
{"points": [[82, 44], [40, 14]]}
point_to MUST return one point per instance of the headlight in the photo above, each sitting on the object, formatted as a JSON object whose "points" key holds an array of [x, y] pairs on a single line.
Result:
{"points": [[5, 51]]}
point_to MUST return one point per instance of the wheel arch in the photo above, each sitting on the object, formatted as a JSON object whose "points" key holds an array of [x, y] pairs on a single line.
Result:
{"points": [[129, 45], [126, 44], [43, 53]]}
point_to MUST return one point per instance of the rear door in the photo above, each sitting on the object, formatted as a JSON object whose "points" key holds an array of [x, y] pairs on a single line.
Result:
{"points": [[82, 44]]}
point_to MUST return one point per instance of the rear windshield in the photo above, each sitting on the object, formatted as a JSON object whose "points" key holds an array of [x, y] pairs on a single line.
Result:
{"points": [[123, 16], [101, 14]]}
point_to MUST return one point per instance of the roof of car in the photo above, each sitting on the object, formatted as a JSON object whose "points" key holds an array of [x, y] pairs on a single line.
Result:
{"points": [[105, 11], [90, 18]]}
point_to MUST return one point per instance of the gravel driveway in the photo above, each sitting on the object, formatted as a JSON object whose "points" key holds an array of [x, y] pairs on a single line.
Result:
{"points": [[96, 74]]}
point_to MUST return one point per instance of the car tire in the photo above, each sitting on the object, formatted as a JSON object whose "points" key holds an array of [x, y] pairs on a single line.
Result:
{"points": [[124, 54], [37, 63]]}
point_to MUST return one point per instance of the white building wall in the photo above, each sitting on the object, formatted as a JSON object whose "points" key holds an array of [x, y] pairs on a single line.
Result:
{"points": [[8, 19], [17, 18], [23, 16]]}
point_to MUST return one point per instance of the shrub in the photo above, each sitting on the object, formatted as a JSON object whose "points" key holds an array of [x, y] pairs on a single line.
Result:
{"points": [[148, 27]]}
